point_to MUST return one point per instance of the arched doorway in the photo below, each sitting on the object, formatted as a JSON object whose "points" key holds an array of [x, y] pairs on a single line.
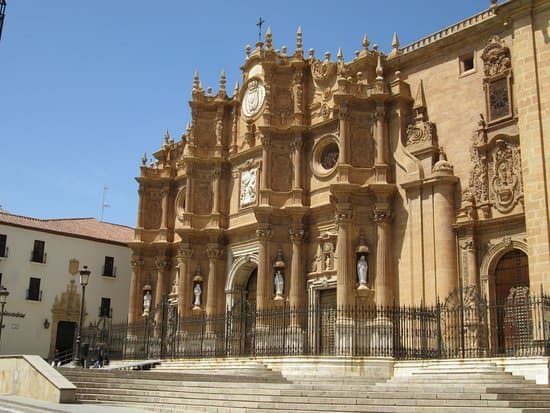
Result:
{"points": [[512, 301]]}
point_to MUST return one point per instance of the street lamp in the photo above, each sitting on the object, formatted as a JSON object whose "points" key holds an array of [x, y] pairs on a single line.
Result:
{"points": [[84, 278], [3, 298]]}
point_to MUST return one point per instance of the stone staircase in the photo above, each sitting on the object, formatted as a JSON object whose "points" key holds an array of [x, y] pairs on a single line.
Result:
{"points": [[249, 386]]}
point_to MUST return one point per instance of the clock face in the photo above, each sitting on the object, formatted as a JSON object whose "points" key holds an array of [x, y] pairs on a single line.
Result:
{"points": [[254, 98]]}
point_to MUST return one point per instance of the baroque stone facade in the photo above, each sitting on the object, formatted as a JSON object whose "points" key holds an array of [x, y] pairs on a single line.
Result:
{"points": [[321, 174]]}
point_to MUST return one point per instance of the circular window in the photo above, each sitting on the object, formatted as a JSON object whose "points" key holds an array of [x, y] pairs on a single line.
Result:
{"points": [[329, 156], [325, 156]]}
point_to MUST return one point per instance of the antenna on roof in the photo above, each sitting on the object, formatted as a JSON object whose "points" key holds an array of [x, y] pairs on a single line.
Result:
{"points": [[103, 203]]}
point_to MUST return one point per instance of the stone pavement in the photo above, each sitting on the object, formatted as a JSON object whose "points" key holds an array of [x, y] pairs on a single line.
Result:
{"points": [[16, 404]]}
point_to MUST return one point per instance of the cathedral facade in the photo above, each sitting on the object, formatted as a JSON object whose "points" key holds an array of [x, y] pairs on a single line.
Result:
{"points": [[380, 179]]}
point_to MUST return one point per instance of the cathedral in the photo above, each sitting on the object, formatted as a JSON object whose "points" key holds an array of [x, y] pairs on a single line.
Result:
{"points": [[418, 177]]}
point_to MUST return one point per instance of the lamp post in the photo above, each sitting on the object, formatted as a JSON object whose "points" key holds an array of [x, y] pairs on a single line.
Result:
{"points": [[84, 278], [3, 298]]}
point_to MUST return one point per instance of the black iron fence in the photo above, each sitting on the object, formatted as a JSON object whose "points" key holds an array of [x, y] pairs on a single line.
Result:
{"points": [[468, 327]]}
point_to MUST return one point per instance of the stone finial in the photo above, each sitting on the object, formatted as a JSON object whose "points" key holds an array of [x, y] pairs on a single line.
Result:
{"points": [[327, 56], [247, 50], [395, 41], [223, 81], [144, 159], [365, 42], [236, 88], [196, 81], [442, 166], [166, 137], [188, 128], [311, 53], [283, 50], [493, 3], [209, 91], [356, 54], [379, 69], [419, 99], [340, 55], [268, 39], [299, 39]]}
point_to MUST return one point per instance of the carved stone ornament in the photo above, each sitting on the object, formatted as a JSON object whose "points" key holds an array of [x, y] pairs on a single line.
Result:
{"points": [[419, 132], [248, 187], [323, 72], [505, 176], [254, 98], [495, 176], [496, 58]]}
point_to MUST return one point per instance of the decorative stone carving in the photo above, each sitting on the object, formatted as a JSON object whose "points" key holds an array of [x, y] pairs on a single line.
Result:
{"points": [[419, 132], [323, 72], [381, 215], [248, 190], [284, 104], [505, 176], [254, 98], [203, 198], [421, 137], [153, 208], [180, 202], [497, 68], [281, 178]]}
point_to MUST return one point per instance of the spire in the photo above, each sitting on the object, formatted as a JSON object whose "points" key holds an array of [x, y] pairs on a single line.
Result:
{"points": [[144, 159], [166, 137], [236, 88], [299, 40], [420, 99], [196, 81], [365, 42], [395, 41], [340, 55], [268, 39], [223, 81]]}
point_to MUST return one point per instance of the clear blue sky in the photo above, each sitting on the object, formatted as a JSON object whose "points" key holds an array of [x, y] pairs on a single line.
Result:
{"points": [[87, 86]]}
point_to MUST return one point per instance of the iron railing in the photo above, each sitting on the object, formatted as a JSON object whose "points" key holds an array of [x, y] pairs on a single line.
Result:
{"points": [[519, 326]]}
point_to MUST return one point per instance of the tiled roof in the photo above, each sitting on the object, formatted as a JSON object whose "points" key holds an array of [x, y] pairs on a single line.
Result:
{"points": [[79, 227]]}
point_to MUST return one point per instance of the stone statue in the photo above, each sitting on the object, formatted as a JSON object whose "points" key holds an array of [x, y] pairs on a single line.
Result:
{"points": [[197, 291], [362, 269], [279, 283], [147, 298]]}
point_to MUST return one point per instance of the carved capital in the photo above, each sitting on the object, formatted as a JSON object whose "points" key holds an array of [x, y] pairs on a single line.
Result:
{"points": [[467, 245], [214, 251], [266, 140], [264, 233], [344, 112], [296, 234], [343, 216], [381, 215], [296, 144], [216, 173], [136, 262], [185, 252], [379, 115], [161, 263]]}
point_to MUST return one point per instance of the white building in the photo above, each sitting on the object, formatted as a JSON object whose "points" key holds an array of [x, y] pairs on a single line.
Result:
{"points": [[39, 263]]}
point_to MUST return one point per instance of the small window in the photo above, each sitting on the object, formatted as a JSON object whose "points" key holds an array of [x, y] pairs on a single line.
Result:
{"points": [[109, 269], [1, 285], [466, 63], [33, 292], [38, 254], [105, 308], [3, 246]]}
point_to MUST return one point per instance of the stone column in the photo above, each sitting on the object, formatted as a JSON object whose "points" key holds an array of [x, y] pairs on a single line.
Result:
{"points": [[297, 282], [345, 273], [264, 277], [266, 169], [444, 238], [189, 189], [296, 147], [344, 119], [184, 280], [161, 265], [382, 282], [470, 270], [135, 296], [141, 202], [214, 252], [380, 141], [216, 175], [164, 220]]}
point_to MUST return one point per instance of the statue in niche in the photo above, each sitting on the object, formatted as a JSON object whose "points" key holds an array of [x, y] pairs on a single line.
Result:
{"points": [[279, 282], [147, 299], [248, 187], [328, 262], [197, 292], [362, 270]]}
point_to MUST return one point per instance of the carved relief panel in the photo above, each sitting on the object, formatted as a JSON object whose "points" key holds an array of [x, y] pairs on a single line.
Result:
{"points": [[153, 210], [362, 145], [248, 187], [497, 82], [203, 193], [281, 168], [205, 130]]}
